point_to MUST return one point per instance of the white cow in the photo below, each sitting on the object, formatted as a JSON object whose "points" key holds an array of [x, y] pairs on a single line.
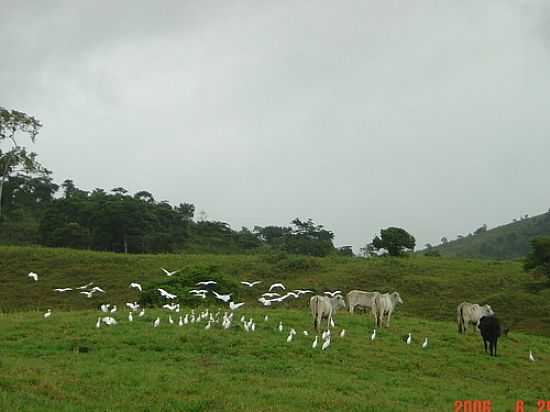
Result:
{"points": [[384, 305], [468, 312], [323, 307], [361, 299]]}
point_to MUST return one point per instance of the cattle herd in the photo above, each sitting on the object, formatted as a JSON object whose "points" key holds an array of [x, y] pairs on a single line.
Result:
{"points": [[382, 306]]}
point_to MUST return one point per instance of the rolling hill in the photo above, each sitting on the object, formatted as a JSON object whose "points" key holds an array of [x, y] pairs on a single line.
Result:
{"points": [[508, 241], [431, 287]]}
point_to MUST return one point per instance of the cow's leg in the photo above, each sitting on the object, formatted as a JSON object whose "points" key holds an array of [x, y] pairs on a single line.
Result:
{"points": [[485, 345], [351, 307], [388, 320], [495, 347]]}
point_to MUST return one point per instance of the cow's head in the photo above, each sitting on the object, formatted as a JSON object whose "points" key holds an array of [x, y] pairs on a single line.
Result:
{"points": [[486, 310], [338, 302], [396, 297]]}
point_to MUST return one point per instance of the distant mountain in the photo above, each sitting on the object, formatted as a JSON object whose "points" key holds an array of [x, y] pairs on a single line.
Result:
{"points": [[503, 242]]}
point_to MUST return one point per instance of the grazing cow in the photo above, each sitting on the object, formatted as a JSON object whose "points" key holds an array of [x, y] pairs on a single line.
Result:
{"points": [[384, 305], [358, 298], [471, 313], [323, 307], [490, 329]]}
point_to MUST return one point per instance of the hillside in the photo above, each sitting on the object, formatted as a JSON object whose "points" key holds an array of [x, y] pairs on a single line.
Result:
{"points": [[503, 242], [430, 287]]}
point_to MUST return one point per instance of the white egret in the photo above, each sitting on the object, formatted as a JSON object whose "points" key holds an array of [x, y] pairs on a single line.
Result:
{"points": [[86, 286], [251, 284], [180, 323], [136, 286], [306, 333], [266, 318], [170, 320], [168, 273], [277, 285], [409, 339], [326, 344], [373, 336], [141, 313], [130, 317], [425, 343], [235, 306], [224, 298], [343, 333], [280, 326], [156, 323], [531, 357], [314, 345], [48, 314], [98, 324], [206, 283], [289, 339], [33, 276]]}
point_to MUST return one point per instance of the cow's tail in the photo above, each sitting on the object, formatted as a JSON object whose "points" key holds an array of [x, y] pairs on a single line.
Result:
{"points": [[315, 321], [460, 319]]}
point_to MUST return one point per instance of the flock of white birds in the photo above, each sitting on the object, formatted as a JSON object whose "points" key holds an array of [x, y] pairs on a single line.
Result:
{"points": [[210, 318]]}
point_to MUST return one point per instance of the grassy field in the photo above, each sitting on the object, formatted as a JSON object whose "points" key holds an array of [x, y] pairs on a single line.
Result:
{"points": [[430, 287], [65, 364]]}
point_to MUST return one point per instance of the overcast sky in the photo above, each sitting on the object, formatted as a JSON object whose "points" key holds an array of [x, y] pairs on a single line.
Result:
{"points": [[429, 115]]}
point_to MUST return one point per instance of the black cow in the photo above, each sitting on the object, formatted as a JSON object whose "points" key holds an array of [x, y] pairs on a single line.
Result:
{"points": [[490, 329]]}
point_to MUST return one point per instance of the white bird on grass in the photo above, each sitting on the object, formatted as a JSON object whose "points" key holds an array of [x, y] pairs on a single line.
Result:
{"points": [[61, 290], [289, 339], [180, 323], [224, 298], [302, 292], [168, 273], [251, 284], [113, 309], [98, 323], [326, 334], [130, 317], [136, 286], [170, 319], [314, 345], [333, 294], [105, 307], [132, 306], [531, 357], [186, 319], [33, 276], [108, 320], [208, 325], [166, 294], [343, 333], [266, 318], [306, 333], [48, 314], [277, 285], [425, 343], [156, 323], [86, 286], [235, 306], [206, 283], [280, 326], [409, 339], [141, 313], [331, 322], [326, 344], [373, 336]]}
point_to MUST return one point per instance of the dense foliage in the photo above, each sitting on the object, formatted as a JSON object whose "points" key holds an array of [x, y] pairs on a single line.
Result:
{"points": [[121, 222], [539, 258]]}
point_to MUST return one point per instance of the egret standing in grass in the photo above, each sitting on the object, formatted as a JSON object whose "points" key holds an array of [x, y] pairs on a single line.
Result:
{"points": [[48, 314], [156, 323], [531, 357], [409, 339], [314, 345], [33, 276], [373, 336], [130, 317], [425, 343], [326, 344]]}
